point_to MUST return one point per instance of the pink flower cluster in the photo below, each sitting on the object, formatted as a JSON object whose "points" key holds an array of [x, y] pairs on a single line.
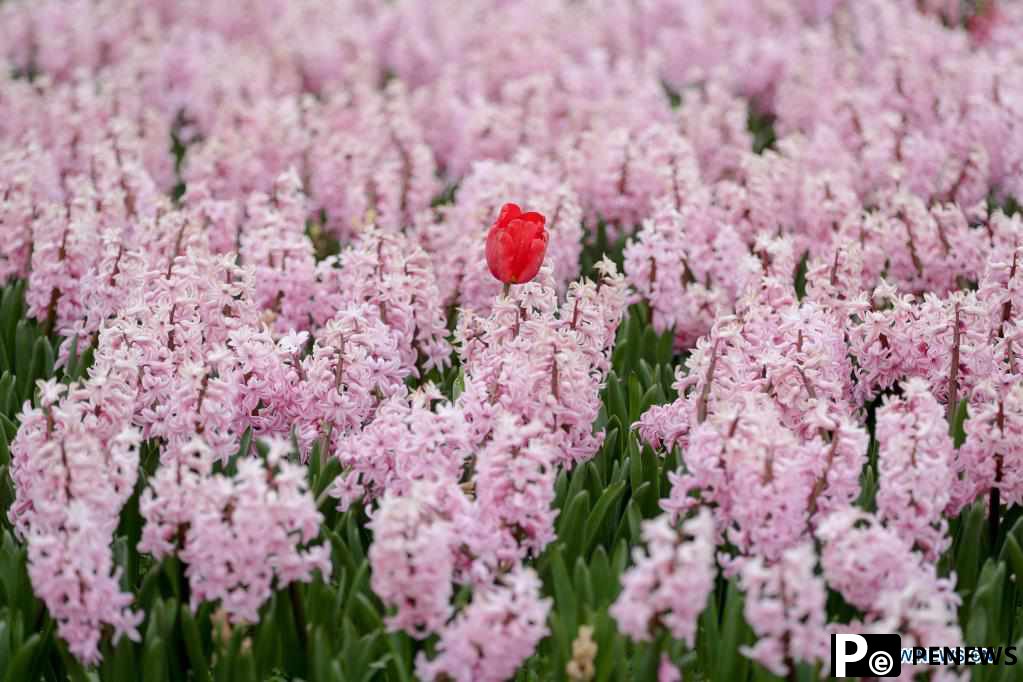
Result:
{"points": [[908, 297], [425, 542], [896, 587], [771, 425], [669, 584], [466, 487], [494, 634], [915, 468], [75, 463], [240, 535], [785, 606]]}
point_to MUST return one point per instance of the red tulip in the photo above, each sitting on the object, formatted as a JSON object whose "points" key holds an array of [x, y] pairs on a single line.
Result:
{"points": [[516, 245]]}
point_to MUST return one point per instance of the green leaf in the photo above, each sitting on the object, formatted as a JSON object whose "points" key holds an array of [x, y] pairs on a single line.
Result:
{"points": [[610, 649], [708, 639], [594, 481], [651, 476], [21, 665], [85, 361], [665, 348], [596, 518], [42, 362], [294, 653], [560, 639], [321, 661], [71, 365], [634, 340], [10, 428], [565, 599], [607, 451], [649, 346], [619, 356], [24, 338], [734, 633], [11, 312], [577, 483], [604, 585], [150, 585], [401, 654], [124, 666], [245, 667], [193, 645], [628, 526], [653, 396], [1012, 552], [154, 661], [367, 615], [799, 276], [5, 642], [645, 661], [354, 539], [635, 465], [645, 371], [616, 399], [635, 398], [5, 450], [582, 581], [868, 490], [570, 524], [968, 553], [957, 428], [245, 444], [8, 396]]}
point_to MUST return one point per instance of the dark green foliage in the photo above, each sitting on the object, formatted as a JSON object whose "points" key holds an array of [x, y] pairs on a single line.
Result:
{"points": [[762, 127]]}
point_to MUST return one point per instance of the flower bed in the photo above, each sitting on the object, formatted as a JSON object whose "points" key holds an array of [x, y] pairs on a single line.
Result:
{"points": [[470, 341]]}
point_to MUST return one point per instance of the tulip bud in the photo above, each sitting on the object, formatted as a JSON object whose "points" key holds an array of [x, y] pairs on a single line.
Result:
{"points": [[516, 245]]}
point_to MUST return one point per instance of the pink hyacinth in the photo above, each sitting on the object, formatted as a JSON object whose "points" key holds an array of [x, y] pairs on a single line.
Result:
{"points": [[992, 456], [915, 468], [862, 557], [897, 589], [669, 584], [758, 477], [515, 474], [689, 264], [493, 634], [72, 474], [413, 555], [785, 606], [406, 441], [241, 537]]}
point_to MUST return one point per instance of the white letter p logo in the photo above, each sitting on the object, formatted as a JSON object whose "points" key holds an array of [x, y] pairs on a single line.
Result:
{"points": [[842, 656]]}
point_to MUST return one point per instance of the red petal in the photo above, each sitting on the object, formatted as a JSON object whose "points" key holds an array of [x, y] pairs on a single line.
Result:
{"points": [[530, 260], [508, 213], [500, 246], [534, 217]]}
